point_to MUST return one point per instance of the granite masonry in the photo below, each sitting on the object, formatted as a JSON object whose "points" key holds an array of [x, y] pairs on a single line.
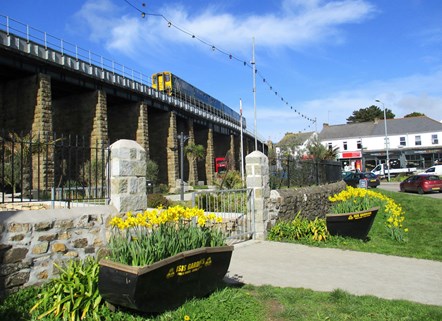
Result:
{"points": [[31, 241]]}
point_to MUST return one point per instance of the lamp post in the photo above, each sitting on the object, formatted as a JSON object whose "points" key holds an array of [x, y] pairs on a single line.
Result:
{"points": [[362, 156], [182, 139], [386, 139]]}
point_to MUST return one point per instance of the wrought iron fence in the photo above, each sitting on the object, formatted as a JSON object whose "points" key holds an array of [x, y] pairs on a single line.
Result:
{"points": [[291, 172], [47, 167], [236, 207]]}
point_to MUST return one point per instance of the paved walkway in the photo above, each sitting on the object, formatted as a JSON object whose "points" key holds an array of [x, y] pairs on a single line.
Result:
{"points": [[322, 269]]}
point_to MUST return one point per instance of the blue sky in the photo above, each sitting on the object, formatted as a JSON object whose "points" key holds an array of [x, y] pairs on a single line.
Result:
{"points": [[323, 59]]}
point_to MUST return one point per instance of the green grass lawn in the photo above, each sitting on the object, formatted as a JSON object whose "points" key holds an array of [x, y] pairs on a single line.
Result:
{"points": [[423, 218], [251, 303]]}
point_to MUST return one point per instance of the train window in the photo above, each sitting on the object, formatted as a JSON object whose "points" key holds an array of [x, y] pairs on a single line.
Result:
{"points": [[167, 76], [154, 80]]}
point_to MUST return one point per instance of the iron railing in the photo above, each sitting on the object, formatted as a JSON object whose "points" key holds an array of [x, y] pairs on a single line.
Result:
{"points": [[291, 172], [236, 207], [47, 167]]}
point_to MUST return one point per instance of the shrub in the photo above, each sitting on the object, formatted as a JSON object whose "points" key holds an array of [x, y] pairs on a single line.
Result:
{"points": [[230, 180], [208, 202], [299, 228], [74, 295], [152, 171], [157, 200]]}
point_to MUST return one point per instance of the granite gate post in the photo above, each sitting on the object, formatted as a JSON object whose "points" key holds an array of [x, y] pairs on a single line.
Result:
{"points": [[257, 169], [128, 176]]}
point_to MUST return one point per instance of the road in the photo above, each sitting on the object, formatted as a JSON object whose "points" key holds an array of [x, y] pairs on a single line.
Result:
{"points": [[394, 187]]}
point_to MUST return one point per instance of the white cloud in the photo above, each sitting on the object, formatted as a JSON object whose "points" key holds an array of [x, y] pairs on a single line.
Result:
{"points": [[297, 24], [415, 93], [96, 18]]}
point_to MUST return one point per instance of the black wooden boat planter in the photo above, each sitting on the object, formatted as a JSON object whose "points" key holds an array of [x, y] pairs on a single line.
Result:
{"points": [[165, 284], [355, 224]]}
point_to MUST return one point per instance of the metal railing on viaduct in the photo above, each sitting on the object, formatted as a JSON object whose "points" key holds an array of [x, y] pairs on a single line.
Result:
{"points": [[49, 85]]}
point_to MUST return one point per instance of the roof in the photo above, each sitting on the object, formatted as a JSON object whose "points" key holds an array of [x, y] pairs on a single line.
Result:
{"points": [[398, 126], [294, 139]]}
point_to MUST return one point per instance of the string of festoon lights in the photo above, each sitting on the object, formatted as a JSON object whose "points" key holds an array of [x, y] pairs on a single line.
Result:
{"points": [[231, 56]]}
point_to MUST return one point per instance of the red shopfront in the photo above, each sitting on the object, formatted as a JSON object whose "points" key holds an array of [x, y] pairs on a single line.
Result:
{"points": [[351, 160]]}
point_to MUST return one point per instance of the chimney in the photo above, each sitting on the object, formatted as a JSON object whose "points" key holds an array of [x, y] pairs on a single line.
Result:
{"points": [[325, 125]]}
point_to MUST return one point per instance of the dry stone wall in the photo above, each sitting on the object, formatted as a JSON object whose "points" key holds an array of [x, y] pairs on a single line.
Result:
{"points": [[31, 241], [310, 202]]}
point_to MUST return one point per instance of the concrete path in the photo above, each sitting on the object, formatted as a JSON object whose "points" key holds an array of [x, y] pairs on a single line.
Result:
{"points": [[322, 269]]}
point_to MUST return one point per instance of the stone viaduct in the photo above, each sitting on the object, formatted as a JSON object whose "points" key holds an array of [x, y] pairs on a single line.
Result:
{"points": [[45, 91]]}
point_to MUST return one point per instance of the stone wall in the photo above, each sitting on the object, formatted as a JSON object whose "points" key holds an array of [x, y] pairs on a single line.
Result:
{"points": [[30, 242], [310, 201]]}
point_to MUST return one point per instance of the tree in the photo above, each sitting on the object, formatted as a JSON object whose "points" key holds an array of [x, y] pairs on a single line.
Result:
{"points": [[414, 114], [194, 153], [317, 151], [369, 114], [152, 171]]}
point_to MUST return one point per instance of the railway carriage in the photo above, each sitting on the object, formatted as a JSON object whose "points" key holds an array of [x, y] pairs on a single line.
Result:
{"points": [[175, 86]]}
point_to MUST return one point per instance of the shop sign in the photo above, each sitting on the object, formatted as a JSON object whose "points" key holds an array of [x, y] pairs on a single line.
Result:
{"points": [[351, 155]]}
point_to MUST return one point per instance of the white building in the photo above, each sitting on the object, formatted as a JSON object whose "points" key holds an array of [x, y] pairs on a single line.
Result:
{"points": [[412, 142]]}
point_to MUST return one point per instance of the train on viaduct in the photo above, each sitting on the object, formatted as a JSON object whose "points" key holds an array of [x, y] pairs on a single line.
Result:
{"points": [[46, 90]]}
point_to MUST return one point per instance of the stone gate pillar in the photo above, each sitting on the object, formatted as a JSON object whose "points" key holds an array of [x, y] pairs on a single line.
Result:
{"points": [[128, 176], [257, 169]]}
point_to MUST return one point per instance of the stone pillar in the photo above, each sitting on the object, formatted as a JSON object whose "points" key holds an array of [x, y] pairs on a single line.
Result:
{"points": [[172, 152], [42, 123], [210, 158], [193, 169], [99, 134], [142, 128], [128, 176], [42, 128], [257, 169], [232, 161]]}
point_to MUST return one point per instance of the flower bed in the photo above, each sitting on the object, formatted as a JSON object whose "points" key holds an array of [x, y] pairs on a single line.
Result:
{"points": [[359, 199], [157, 234], [162, 257]]}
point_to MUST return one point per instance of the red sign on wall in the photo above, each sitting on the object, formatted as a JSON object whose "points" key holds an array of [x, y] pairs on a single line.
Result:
{"points": [[351, 155]]}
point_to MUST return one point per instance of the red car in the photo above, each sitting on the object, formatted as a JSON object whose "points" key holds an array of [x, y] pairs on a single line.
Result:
{"points": [[422, 184]]}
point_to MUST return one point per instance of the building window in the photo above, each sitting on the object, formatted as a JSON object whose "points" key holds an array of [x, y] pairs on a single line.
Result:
{"points": [[417, 140], [434, 139], [345, 145], [359, 144], [330, 146], [402, 141]]}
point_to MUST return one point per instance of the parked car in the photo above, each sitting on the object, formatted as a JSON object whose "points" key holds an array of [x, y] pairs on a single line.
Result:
{"points": [[435, 170], [345, 173], [352, 179], [421, 184]]}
